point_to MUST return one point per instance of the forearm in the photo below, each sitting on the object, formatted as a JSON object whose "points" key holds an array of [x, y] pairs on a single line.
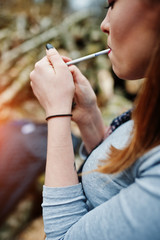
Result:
{"points": [[93, 129], [60, 170]]}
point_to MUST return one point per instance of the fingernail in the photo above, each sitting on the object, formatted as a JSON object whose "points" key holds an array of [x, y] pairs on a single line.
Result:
{"points": [[49, 46]]}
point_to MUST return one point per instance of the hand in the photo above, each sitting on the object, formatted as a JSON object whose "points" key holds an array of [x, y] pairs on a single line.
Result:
{"points": [[84, 97], [86, 112], [52, 84]]}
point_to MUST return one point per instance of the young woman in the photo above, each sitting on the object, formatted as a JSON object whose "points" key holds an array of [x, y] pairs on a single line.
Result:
{"points": [[120, 196]]}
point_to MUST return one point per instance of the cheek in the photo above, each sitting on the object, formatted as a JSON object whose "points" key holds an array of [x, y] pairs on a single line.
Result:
{"points": [[131, 43], [124, 21]]}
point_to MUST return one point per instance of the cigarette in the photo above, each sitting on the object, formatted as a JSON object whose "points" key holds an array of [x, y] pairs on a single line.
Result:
{"points": [[89, 56]]}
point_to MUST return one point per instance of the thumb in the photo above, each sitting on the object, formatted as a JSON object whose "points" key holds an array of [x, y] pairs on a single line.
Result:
{"points": [[76, 73], [54, 57], [66, 59]]}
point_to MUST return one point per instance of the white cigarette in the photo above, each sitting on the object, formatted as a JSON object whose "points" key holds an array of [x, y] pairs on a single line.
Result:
{"points": [[88, 56]]}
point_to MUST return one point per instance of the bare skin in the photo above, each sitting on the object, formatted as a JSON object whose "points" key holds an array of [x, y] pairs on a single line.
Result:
{"points": [[132, 30], [129, 24]]}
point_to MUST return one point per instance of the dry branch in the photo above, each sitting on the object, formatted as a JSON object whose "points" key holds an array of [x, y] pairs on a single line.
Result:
{"points": [[36, 41], [15, 87]]}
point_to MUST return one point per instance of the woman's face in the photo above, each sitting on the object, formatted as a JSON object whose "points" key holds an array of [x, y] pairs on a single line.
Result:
{"points": [[132, 28]]}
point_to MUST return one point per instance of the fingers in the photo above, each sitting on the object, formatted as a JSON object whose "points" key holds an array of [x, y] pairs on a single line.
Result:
{"points": [[40, 67], [66, 59], [76, 73], [42, 64], [31, 84], [31, 77], [55, 59]]}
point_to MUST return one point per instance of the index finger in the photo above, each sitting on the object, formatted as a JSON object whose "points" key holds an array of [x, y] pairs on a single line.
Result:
{"points": [[55, 58]]}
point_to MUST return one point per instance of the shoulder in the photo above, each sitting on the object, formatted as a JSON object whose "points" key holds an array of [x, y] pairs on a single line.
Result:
{"points": [[149, 162], [147, 172]]}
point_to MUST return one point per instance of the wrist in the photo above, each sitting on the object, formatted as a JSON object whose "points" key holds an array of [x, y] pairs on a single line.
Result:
{"points": [[58, 116], [58, 110], [92, 130], [88, 115]]}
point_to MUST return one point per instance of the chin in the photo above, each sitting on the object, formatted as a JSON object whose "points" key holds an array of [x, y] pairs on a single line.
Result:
{"points": [[128, 75]]}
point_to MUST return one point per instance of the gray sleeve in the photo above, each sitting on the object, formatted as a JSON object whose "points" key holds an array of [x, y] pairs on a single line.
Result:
{"points": [[132, 214], [62, 207]]}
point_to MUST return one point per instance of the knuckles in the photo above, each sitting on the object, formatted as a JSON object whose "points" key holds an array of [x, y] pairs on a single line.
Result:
{"points": [[31, 75], [41, 63], [38, 64]]}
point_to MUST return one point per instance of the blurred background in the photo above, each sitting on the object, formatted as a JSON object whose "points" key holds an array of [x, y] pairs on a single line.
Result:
{"points": [[73, 27]]}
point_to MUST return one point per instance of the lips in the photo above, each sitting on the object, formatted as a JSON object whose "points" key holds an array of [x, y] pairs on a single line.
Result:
{"points": [[109, 51]]}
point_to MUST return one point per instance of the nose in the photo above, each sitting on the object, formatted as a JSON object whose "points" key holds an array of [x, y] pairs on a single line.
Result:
{"points": [[105, 24]]}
